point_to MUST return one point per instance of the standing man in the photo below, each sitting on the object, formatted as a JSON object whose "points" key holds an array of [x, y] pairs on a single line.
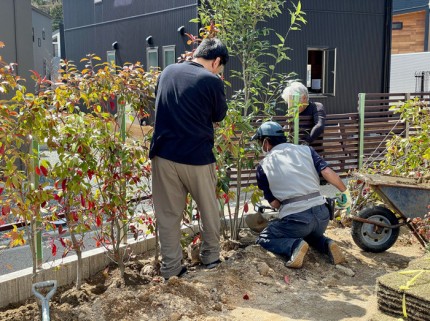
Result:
{"points": [[289, 178], [306, 108], [189, 99]]}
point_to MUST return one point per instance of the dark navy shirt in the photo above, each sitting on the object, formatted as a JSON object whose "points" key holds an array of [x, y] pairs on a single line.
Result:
{"points": [[317, 111], [189, 99], [263, 182]]}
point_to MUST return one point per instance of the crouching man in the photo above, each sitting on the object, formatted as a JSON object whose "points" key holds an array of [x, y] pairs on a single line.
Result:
{"points": [[289, 178]]}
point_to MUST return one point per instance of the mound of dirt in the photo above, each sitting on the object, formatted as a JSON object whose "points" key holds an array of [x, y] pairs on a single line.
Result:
{"points": [[250, 284]]}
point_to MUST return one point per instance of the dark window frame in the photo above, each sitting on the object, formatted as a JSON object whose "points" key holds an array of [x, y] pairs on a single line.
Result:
{"points": [[397, 25]]}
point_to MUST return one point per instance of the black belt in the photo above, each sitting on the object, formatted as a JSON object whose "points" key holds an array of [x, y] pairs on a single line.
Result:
{"points": [[300, 198]]}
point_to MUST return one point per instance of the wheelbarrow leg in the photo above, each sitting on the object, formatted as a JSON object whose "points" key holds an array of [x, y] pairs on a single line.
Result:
{"points": [[412, 227], [45, 299]]}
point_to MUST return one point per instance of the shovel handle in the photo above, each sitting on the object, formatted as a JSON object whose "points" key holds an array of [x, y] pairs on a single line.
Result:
{"points": [[44, 284]]}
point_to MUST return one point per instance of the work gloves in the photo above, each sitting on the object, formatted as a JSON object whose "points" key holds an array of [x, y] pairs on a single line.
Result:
{"points": [[344, 201]]}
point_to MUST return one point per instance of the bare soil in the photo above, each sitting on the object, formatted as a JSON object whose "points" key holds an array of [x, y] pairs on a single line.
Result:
{"points": [[250, 284]]}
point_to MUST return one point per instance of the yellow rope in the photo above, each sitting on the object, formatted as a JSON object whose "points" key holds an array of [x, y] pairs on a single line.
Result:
{"points": [[408, 284]]}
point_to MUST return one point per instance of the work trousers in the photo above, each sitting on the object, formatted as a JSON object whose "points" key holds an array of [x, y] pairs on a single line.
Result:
{"points": [[283, 235], [170, 184]]}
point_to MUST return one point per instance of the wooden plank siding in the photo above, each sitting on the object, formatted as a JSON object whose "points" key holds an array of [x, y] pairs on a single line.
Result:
{"points": [[411, 37], [341, 139]]}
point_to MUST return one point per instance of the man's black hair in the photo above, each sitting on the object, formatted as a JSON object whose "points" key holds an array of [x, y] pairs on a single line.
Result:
{"points": [[212, 48], [274, 140]]}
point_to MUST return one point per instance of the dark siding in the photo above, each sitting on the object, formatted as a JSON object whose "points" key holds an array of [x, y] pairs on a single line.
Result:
{"points": [[403, 6], [79, 13], [97, 37], [356, 29]]}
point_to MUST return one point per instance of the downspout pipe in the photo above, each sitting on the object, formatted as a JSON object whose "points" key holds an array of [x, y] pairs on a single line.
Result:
{"points": [[426, 30], [385, 85]]}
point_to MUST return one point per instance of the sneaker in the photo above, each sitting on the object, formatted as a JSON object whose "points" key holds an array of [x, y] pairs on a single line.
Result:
{"points": [[296, 260], [335, 253], [212, 265], [181, 273]]}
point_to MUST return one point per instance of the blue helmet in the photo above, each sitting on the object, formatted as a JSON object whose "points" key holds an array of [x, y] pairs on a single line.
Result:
{"points": [[269, 128]]}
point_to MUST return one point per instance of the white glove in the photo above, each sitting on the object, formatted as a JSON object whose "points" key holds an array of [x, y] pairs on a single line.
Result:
{"points": [[344, 201]]}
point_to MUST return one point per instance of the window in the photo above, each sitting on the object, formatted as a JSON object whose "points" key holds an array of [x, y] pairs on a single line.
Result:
{"points": [[168, 55], [39, 42], [397, 26], [152, 57], [45, 67], [111, 56], [43, 34], [321, 71], [33, 33]]}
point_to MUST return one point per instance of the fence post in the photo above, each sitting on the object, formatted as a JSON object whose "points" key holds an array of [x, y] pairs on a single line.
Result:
{"points": [[296, 99], [121, 109], [36, 227], [361, 109]]}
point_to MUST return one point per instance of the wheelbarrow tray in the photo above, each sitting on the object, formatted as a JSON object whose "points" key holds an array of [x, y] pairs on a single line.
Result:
{"points": [[406, 196]]}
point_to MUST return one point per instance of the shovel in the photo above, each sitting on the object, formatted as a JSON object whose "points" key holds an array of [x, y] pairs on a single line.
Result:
{"points": [[256, 222], [45, 299]]}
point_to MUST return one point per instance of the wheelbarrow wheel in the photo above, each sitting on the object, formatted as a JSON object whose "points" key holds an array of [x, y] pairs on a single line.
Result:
{"points": [[372, 238]]}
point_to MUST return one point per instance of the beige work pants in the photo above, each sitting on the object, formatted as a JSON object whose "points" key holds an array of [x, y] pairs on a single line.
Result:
{"points": [[170, 184]]}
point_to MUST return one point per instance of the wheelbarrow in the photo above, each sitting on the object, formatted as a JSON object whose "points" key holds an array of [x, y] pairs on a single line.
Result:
{"points": [[376, 228]]}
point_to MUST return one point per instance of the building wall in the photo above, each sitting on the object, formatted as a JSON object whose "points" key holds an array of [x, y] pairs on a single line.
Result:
{"points": [[403, 70], [356, 29], [358, 32], [15, 32], [42, 42], [129, 23], [411, 37]]}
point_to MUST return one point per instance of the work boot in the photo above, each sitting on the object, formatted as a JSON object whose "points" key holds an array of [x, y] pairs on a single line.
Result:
{"points": [[296, 260], [335, 253]]}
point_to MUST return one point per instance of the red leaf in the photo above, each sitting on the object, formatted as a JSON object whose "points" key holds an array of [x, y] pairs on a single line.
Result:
{"points": [[196, 239], [98, 243], [80, 149], [112, 105], [98, 221], [82, 200], [90, 173], [75, 216], [62, 241], [5, 210], [2, 149], [54, 250], [246, 297], [1, 190], [245, 207], [61, 231], [44, 170], [38, 172], [64, 184], [57, 197], [43, 204], [226, 198]]}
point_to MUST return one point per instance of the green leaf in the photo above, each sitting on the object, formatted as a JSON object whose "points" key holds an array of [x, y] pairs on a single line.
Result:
{"points": [[281, 38]]}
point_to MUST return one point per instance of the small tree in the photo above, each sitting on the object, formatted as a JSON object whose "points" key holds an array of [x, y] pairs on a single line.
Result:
{"points": [[99, 170], [241, 25], [22, 120]]}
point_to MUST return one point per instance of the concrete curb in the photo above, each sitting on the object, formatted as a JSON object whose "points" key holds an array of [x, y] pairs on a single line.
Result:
{"points": [[16, 287]]}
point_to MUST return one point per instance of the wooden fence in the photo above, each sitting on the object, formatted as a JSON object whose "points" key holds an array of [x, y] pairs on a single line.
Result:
{"points": [[352, 140]]}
